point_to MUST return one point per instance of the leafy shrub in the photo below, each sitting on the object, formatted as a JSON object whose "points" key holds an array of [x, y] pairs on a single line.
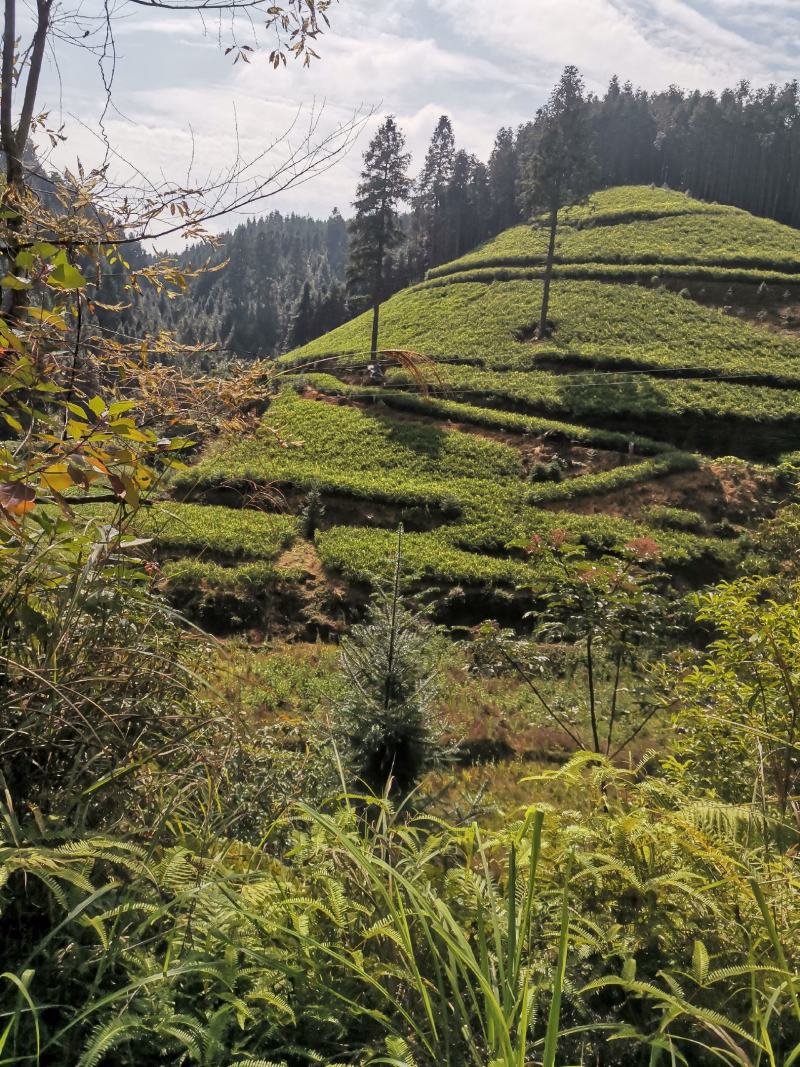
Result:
{"points": [[738, 718], [545, 472], [94, 677]]}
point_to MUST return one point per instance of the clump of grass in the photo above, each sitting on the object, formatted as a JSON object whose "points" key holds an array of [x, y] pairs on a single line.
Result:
{"points": [[667, 518]]}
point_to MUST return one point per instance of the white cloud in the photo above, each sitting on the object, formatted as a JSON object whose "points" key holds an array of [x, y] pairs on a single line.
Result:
{"points": [[652, 42], [485, 64]]}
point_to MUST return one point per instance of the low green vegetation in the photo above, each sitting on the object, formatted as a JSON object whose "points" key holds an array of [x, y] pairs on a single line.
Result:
{"points": [[473, 490], [220, 896], [363, 554], [458, 555], [318, 444], [229, 533], [597, 323], [654, 275], [629, 202], [668, 518], [617, 478], [719, 236], [492, 419], [221, 598], [674, 408], [478, 462]]}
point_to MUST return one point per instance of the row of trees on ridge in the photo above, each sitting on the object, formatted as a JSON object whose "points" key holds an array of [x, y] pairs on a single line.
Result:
{"points": [[740, 147], [282, 289]]}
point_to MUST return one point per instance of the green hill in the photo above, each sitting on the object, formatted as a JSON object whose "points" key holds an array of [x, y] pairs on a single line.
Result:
{"points": [[611, 430]]}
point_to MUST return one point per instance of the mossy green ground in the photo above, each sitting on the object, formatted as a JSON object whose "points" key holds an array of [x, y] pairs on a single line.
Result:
{"points": [[505, 738]]}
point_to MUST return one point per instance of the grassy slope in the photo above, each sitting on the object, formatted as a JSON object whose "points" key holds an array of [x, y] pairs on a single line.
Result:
{"points": [[477, 485], [471, 494], [731, 237], [598, 323]]}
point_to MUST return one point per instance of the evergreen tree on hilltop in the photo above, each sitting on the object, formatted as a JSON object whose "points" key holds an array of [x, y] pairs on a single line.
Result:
{"points": [[300, 328], [503, 179], [468, 206], [430, 200], [376, 229], [559, 168]]}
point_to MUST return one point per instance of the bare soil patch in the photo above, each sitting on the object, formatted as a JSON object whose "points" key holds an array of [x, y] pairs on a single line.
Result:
{"points": [[718, 491]]}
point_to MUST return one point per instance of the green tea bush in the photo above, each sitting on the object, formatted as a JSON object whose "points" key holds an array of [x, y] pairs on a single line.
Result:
{"points": [[229, 533], [545, 472], [670, 231], [642, 398], [618, 478], [363, 554], [493, 419], [221, 598], [352, 452], [676, 519], [615, 272], [600, 323]]}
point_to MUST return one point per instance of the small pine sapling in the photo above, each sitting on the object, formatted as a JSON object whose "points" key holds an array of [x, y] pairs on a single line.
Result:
{"points": [[385, 724], [312, 514]]}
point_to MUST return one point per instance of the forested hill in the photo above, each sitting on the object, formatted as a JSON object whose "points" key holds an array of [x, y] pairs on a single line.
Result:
{"points": [[274, 267], [284, 283]]}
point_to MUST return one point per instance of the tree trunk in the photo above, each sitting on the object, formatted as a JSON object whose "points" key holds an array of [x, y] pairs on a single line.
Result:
{"points": [[13, 141], [376, 313], [377, 296], [548, 273]]}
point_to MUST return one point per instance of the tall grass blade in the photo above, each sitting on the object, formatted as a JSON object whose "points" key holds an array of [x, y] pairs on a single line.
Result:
{"points": [[554, 1015]]}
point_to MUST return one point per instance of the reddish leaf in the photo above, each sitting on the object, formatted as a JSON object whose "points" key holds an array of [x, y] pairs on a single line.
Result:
{"points": [[16, 498]]}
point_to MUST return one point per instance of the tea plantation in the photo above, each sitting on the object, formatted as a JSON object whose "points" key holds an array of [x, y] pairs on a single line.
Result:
{"points": [[670, 387]]}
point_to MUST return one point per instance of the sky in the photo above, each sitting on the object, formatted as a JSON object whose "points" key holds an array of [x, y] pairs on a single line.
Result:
{"points": [[180, 104]]}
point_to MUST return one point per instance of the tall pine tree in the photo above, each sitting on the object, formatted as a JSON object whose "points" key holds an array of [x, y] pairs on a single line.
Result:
{"points": [[503, 178], [560, 168], [431, 195], [301, 327], [376, 229]]}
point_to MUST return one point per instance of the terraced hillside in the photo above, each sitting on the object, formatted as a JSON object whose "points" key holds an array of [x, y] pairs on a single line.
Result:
{"points": [[673, 348]]}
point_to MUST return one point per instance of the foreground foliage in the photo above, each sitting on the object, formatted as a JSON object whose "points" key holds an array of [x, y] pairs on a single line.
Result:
{"points": [[620, 935]]}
